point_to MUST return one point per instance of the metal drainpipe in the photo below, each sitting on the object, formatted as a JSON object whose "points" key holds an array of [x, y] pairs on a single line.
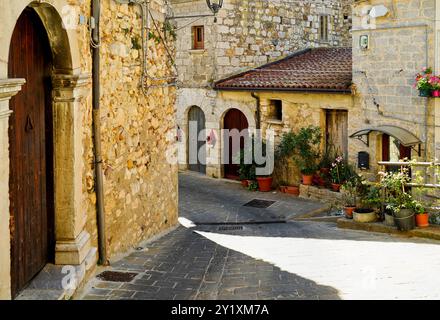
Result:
{"points": [[258, 111], [99, 188]]}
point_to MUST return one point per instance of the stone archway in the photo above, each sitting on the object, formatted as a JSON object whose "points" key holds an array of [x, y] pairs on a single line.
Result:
{"points": [[68, 91]]}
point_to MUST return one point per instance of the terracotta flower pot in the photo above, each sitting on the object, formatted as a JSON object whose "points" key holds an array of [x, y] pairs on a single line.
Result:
{"points": [[349, 212], [307, 180], [422, 220], [293, 190], [245, 183], [336, 187], [264, 184], [283, 189]]}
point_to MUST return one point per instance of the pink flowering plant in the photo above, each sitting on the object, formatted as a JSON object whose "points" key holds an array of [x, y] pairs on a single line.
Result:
{"points": [[423, 80], [434, 81], [337, 171]]}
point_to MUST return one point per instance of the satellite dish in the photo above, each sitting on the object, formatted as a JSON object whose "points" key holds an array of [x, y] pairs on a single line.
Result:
{"points": [[378, 11]]}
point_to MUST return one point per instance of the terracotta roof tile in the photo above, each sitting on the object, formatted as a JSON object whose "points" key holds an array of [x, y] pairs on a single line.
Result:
{"points": [[319, 69]]}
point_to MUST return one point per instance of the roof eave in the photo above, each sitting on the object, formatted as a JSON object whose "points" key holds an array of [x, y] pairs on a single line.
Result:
{"points": [[314, 90]]}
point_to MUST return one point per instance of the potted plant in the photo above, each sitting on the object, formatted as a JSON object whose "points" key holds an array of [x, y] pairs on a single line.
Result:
{"points": [[400, 202], [435, 84], [282, 186], [388, 217], [326, 160], [306, 152], [293, 190], [403, 208], [422, 82], [337, 173], [253, 186], [246, 170], [369, 201], [422, 217], [418, 177], [349, 193], [264, 181]]}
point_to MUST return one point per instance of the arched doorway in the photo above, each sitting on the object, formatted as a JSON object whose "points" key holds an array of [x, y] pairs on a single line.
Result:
{"points": [[234, 119], [196, 146], [31, 152]]}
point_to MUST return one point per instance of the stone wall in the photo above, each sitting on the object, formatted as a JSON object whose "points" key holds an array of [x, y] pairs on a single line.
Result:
{"points": [[400, 45], [137, 131], [253, 32]]}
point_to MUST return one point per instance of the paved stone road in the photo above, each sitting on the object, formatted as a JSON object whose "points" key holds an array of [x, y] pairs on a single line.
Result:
{"points": [[317, 260], [206, 200]]}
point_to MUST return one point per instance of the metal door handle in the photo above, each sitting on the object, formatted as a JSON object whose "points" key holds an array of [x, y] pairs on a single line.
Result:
{"points": [[29, 124]]}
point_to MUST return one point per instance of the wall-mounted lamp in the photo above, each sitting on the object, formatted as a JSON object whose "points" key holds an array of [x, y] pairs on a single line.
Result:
{"points": [[214, 6]]}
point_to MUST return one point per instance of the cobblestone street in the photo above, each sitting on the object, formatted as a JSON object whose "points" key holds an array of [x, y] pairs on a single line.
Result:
{"points": [[277, 259]]}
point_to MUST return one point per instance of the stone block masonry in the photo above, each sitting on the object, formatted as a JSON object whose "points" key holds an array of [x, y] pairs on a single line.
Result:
{"points": [[137, 132], [253, 32]]}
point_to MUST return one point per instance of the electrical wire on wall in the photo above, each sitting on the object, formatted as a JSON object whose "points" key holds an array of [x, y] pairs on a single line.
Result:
{"points": [[146, 78]]}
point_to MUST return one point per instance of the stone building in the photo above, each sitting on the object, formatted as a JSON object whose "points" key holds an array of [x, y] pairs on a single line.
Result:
{"points": [[48, 192], [386, 119], [245, 34], [389, 49], [309, 87]]}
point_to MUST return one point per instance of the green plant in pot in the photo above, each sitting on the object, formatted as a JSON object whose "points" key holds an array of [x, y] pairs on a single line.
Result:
{"points": [[253, 186], [349, 195], [423, 83], [246, 171], [400, 202], [264, 181], [369, 202], [420, 194], [306, 152], [327, 159], [338, 173]]}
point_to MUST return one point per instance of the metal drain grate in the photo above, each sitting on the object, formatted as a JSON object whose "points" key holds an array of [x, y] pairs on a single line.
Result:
{"points": [[230, 228], [116, 276], [258, 203]]}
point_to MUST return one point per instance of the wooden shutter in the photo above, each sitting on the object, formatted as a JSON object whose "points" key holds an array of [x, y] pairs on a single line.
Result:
{"points": [[198, 37]]}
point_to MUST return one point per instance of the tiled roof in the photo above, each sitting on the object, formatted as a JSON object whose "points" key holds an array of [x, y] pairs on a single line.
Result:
{"points": [[319, 69]]}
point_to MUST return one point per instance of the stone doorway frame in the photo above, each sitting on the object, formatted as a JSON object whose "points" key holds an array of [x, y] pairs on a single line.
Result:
{"points": [[70, 89]]}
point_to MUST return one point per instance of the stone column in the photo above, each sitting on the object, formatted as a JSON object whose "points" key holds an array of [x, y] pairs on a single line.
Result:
{"points": [[8, 89], [72, 241], [213, 149]]}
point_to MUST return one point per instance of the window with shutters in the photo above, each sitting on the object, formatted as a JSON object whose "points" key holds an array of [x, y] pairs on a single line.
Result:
{"points": [[323, 28], [198, 34]]}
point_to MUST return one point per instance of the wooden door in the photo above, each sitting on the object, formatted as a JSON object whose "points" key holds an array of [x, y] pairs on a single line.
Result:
{"points": [[197, 145], [30, 151], [234, 119], [336, 131]]}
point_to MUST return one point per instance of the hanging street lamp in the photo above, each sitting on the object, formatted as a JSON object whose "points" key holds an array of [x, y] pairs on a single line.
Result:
{"points": [[214, 6]]}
